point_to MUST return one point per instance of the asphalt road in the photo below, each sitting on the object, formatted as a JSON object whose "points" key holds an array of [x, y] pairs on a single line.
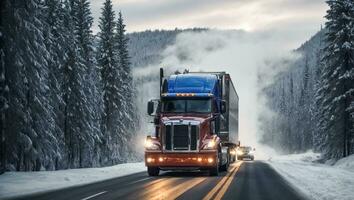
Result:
{"points": [[244, 180]]}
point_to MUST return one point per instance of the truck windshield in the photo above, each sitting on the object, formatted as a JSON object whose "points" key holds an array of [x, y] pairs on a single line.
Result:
{"points": [[186, 105]]}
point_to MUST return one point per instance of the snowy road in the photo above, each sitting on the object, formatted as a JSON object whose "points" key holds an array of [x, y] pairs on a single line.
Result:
{"points": [[244, 180]]}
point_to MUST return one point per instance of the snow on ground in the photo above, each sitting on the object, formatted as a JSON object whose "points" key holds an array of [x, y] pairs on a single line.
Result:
{"points": [[346, 163], [317, 181], [21, 183]]}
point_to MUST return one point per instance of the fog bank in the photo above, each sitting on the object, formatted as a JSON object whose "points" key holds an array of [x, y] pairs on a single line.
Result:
{"points": [[244, 55]]}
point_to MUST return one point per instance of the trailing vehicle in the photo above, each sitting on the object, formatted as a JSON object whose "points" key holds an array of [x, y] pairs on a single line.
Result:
{"points": [[245, 152], [196, 121]]}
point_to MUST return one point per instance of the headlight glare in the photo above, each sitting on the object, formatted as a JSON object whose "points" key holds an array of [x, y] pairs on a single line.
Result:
{"points": [[150, 145], [210, 145], [239, 152]]}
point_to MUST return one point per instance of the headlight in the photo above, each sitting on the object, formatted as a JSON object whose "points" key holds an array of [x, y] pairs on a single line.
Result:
{"points": [[233, 152], [210, 145], [150, 145], [239, 152]]}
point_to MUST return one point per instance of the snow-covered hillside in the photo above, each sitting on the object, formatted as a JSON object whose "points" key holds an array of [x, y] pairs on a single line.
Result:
{"points": [[146, 48], [288, 120], [311, 103]]}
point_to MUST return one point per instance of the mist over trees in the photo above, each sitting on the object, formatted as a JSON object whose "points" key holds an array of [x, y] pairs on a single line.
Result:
{"points": [[64, 102], [312, 102]]}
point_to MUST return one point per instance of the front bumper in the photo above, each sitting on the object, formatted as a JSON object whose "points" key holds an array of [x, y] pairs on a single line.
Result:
{"points": [[181, 160]]}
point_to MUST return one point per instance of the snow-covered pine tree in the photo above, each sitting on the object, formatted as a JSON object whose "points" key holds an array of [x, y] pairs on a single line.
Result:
{"points": [[108, 64], [317, 110], [54, 35], [338, 78], [75, 122], [126, 88], [26, 66], [304, 114], [3, 96], [351, 73], [83, 20]]}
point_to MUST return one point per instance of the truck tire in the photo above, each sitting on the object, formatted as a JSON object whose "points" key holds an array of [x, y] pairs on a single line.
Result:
{"points": [[214, 171], [226, 165], [153, 171]]}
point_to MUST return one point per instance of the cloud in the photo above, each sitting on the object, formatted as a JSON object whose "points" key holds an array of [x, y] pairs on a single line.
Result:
{"points": [[226, 14]]}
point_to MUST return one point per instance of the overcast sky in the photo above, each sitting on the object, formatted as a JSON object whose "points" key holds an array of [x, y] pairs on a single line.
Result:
{"points": [[299, 17]]}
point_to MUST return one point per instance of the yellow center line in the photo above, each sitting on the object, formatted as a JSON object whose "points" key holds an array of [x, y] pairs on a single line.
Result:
{"points": [[223, 184], [227, 184]]}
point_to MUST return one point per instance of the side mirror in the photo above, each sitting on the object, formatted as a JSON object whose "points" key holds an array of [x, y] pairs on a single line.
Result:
{"points": [[150, 107], [238, 143], [254, 149], [223, 107]]}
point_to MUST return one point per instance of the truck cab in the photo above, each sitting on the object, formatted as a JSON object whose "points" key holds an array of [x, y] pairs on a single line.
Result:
{"points": [[192, 123]]}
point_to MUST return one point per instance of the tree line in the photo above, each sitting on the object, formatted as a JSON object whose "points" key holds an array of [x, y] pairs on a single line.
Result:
{"points": [[313, 101], [66, 94]]}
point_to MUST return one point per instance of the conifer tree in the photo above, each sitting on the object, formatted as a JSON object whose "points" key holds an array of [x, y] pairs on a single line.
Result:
{"points": [[54, 37], [107, 61], [338, 77], [83, 20], [127, 115], [31, 127], [75, 110], [3, 96]]}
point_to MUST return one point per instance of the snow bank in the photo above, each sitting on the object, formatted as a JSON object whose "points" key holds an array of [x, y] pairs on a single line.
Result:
{"points": [[22, 183], [317, 181], [346, 163]]}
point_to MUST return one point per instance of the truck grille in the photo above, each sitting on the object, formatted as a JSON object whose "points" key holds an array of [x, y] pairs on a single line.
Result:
{"points": [[181, 137]]}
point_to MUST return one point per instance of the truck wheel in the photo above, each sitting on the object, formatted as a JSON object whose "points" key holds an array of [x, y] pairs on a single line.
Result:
{"points": [[214, 171], [153, 171], [226, 165]]}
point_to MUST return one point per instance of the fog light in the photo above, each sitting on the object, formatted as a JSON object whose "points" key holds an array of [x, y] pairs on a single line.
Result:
{"points": [[149, 160], [161, 159], [200, 159], [210, 160]]}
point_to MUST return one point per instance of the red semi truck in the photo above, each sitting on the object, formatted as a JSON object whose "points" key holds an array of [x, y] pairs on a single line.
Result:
{"points": [[196, 123]]}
